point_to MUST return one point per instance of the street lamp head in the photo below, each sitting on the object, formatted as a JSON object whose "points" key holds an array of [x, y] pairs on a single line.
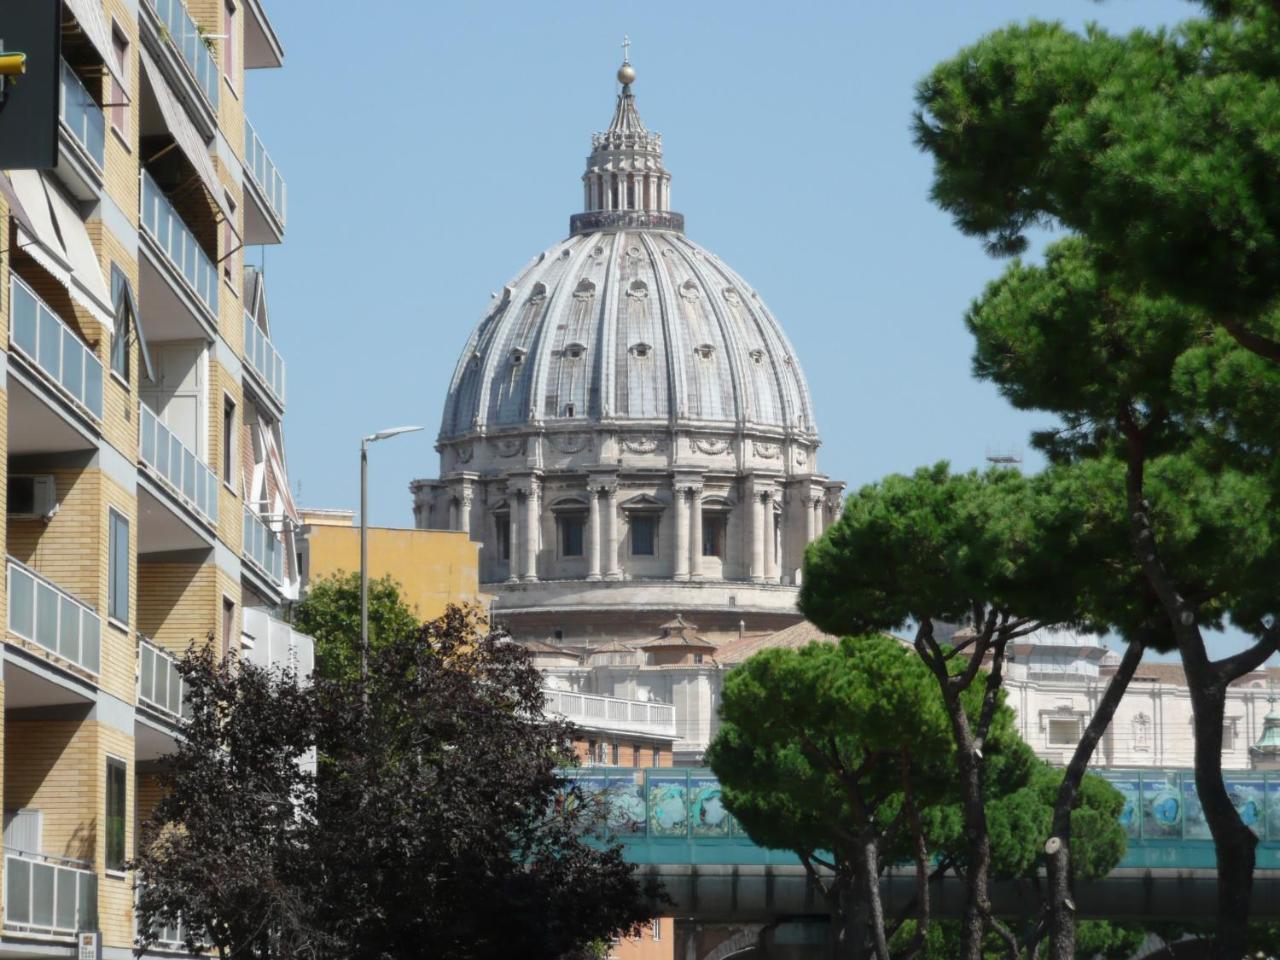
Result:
{"points": [[392, 432]]}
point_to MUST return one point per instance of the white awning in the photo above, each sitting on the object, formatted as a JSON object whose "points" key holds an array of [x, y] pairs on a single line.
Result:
{"points": [[184, 133], [93, 21], [61, 243]]}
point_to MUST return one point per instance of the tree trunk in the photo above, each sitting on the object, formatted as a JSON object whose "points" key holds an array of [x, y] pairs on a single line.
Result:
{"points": [[1233, 842], [978, 842], [1062, 918]]}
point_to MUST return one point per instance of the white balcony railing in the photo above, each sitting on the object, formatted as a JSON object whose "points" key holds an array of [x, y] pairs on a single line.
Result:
{"points": [[160, 685], [50, 617], [263, 358], [275, 644], [175, 238], [186, 36], [38, 334], [82, 115], [613, 713], [182, 471], [262, 546], [264, 172], [47, 896]]}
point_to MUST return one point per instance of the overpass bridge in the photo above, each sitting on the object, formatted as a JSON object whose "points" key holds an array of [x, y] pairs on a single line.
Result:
{"points": [[673, 826]]}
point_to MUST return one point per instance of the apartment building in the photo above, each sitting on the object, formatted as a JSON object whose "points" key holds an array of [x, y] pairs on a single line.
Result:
{"points": [[147, 502]]}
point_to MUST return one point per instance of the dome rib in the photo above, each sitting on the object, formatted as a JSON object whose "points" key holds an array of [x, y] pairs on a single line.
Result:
{"points": [[673, 343], [559, 298]]}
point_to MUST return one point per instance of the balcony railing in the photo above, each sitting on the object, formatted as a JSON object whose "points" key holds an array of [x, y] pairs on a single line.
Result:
{"points": [[182, 471], [82, 115], [264, 172], [48, 896], [160, 685], [54, 348], [186, 36], [264, 359], [50, 617], [263, 547], [179, 244], [613, 713]]}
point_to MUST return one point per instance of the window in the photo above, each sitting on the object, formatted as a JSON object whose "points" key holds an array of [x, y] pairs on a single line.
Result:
{"points": [[644, 536], [1064, 732], [121, 300], [571, 529], [592, 755], [713, 531], [228, 624], [116, 790], [228, 439], [118, 567], [1229, 734], [116, 95], [656, 933], [502, 535], [229, 45], [615, 754]]}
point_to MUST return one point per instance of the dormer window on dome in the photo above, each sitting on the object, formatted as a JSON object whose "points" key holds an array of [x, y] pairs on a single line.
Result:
{"points": [[704, 351], [641, 350], [517, 357], [574, 351]]}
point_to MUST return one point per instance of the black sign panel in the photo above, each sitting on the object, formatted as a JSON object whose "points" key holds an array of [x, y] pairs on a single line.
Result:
{"points": [[29, 109]]}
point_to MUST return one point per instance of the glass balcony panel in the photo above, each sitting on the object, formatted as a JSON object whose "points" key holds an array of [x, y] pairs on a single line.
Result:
{"points": [[190, 43], [42, 895], [93, 383], [17, 893], [176, 462], [263, 171], [72, 363], [189, 475], [173, 699], [147, 680], [46, 617], [24, 319], [88, 919], [90, 640], [180, 468], [22, 603], [64, 913], [49, 349], [263, 357], [178, 243], [262, 546], [69, 630], [82, 115]]}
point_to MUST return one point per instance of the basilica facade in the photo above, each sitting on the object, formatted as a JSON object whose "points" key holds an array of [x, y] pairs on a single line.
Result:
{"points": [[628, 434]]}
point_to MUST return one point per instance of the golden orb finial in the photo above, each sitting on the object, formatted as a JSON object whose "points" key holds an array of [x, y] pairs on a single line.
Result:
{"points": [[626, 74]]}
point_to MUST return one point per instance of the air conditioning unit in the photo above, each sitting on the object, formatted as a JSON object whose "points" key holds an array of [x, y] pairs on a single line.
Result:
{"points": [[31, 496]]}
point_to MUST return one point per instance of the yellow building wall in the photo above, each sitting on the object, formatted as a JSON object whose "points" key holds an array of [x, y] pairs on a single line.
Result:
{"points": [[433, 567]]}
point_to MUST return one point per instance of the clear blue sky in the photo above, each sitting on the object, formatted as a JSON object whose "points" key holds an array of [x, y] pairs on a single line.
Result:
{"points": [[431, 149]]}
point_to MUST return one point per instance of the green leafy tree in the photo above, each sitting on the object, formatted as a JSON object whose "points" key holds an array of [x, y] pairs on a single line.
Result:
{"points": [[827, 751], [1003, 554], [330, 613]]}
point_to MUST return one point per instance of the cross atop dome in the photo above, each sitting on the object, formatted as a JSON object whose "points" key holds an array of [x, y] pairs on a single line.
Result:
{"points": [[625, 183]]}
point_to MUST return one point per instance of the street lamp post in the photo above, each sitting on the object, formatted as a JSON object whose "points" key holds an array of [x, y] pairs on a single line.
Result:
{"points": [[364, 550]]}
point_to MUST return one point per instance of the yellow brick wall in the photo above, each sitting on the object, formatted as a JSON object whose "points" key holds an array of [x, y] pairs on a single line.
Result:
{"points": [[121, 179], [115, 892], [177, 603], [119, 648], [49, 766], [69, 548], [230, 521], [147, 793], [229, 587], [120, 399]]}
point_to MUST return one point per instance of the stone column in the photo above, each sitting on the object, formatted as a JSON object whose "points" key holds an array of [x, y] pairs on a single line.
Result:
{"points": [[810, 520], [681, 520], [467, 502], [770, 539], [757, 535], [818, 525], [532, 516], [611, 569], [695, 533], [516, 503], [593, 533]]}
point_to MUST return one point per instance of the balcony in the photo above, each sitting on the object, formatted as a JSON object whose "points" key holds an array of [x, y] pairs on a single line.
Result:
{"points": [[160, 685], [51, 618], [184, 474], [178, 245], [266, 224], [186, 36], [263, 359], [262, 547], [55, 350], [48, 896], [81, 116], [613, 714], [272, 643]]}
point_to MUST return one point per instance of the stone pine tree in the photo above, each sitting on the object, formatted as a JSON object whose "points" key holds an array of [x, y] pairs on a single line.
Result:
{"points": [[827, 751], [1003, 554], [1128, 372]]}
